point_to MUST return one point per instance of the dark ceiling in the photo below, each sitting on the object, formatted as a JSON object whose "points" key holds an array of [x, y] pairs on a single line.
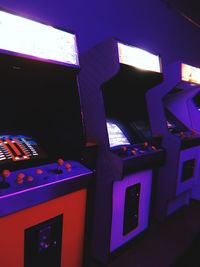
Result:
{"points": [[190, 9]]}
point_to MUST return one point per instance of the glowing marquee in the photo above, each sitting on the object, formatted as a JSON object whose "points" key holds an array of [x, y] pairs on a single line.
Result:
{"points": [[138, 58], [190, 74], [31, 38]]}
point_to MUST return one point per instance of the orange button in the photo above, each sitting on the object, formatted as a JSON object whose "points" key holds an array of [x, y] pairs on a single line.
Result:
{"points": [[145, 144], [68, 166], [194, 132], [133, 152], [39, 171], [20, 181], [60, 162], [29, 178], [124, 148], [20, 175], [6, 173]]}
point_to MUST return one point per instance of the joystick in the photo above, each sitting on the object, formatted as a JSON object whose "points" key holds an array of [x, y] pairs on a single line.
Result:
{"points": [[68, 166], [194, 133], [124, 149], [60, 163], [182, 134], [3, 183], [145, 144]]}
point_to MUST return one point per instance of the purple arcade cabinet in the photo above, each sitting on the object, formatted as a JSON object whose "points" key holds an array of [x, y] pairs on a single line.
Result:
{"points": [[172, 112], [114, 80]]}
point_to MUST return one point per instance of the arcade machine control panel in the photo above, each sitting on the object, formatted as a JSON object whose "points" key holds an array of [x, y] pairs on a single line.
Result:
{"points": [[189, 138], [135, 150], [138, 154], [48, 180]]}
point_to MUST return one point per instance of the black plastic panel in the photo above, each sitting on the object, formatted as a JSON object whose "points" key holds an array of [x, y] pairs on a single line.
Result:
{"points": [[188, 170], [43, 244], [131, 209], [190, 142], [44, 96]]}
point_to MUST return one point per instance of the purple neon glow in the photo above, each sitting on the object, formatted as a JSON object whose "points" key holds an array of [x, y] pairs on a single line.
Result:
{"points": [[31, 38]]}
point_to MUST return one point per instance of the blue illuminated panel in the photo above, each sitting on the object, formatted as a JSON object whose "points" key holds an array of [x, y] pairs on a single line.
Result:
{"points": [[116, 136]]}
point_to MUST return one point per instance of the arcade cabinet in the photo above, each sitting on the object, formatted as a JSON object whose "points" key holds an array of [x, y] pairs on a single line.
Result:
{"points": [[114, 80], [43, 187], [171, 111]]}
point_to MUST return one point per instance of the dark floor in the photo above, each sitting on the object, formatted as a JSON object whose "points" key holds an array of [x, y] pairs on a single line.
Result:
{"points": [[168, 244]]}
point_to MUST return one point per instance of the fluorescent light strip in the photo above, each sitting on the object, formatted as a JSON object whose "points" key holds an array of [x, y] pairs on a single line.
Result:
{"points": [[190, 74], [138, 58], [31, 38]]}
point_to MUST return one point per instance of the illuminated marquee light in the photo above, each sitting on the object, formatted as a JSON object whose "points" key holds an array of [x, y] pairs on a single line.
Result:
{"points": [[138, 58], [31, 38], [190, 74]]}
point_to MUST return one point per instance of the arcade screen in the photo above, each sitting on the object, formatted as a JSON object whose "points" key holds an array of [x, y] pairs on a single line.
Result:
{"points": [[172, 127], [173, 124], [142, 130], [116, 135], [196, 100], [41, 101]]}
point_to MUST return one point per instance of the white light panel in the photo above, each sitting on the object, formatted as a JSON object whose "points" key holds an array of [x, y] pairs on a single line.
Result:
{"points": [[31, 38], [138, 58], [190, 74]]}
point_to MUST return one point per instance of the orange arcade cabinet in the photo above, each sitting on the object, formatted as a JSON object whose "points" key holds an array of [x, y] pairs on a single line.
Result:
{"points": [[43, 185]]}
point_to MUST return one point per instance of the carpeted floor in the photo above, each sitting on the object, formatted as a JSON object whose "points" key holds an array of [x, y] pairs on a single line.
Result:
{"points": [[191, 256], [174, 243]]}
